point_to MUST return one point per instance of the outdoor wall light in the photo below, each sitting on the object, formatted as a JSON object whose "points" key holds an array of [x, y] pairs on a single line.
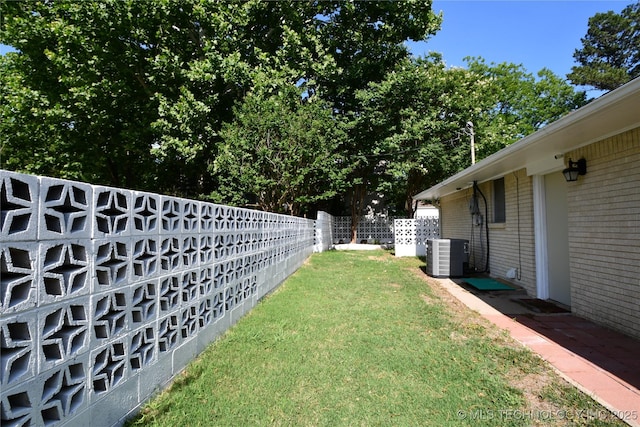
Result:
{"points": [[575, 168]]}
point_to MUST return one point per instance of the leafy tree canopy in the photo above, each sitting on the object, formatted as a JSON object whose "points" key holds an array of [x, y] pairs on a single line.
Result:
{"points": [[610, 53], [132, 93], [414, 117], [281, 152], [517, 103], [135, 92], [420, 118], [277, 103]]}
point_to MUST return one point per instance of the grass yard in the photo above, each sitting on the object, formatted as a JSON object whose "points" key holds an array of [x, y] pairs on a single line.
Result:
{"points": [[364, 338]]}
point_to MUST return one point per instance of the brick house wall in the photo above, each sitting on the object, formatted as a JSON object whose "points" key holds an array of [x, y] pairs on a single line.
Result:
{"points": [[603, 230], [511, 244], [604, 233]]}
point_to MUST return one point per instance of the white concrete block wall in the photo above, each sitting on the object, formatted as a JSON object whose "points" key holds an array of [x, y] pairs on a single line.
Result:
{"points": [[324, 232], [376, 229], [106, 293], [411, 235]]}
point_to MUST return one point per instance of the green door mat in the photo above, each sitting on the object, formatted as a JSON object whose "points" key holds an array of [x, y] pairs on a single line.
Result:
{"points": [[486, 284]]}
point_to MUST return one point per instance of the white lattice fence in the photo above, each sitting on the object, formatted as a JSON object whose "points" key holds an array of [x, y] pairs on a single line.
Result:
{"points": [[411, 235], [370, 230], [341, 229], [107, 293]]}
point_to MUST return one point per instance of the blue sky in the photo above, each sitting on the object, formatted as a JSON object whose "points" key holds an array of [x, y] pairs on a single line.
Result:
{"points": [[536, 34], [4, 49]]}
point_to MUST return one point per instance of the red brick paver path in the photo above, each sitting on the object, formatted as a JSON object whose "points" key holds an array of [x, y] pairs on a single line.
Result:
{"points": [[602, 363]]}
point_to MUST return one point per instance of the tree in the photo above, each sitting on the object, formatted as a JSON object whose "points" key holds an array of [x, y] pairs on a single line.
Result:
{"points": [[517, 103], [610, 53], [99, 72], [366, 40], [281, 150], [239, 45], [417, 118], [133, 92], [59, 91]]}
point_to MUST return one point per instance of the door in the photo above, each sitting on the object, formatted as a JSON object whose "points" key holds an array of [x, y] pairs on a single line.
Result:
{"points": [[557, 237]]}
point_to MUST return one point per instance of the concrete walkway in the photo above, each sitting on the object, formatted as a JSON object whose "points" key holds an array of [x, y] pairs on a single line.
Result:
{"points": [[602, 363], [358, 247]]}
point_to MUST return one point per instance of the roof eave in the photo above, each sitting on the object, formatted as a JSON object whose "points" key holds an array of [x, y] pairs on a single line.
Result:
{"points": [[612, 113]]}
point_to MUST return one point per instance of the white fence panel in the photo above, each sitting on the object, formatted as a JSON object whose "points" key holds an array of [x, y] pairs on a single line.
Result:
{"points": [[411, 235], [323, 232], [377, 229]]}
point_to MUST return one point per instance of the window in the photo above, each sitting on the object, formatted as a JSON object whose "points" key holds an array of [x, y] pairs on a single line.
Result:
{"points": [[499, 209]]}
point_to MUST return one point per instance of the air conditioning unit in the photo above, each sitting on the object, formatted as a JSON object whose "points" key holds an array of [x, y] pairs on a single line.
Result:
{"points": [[447, 257]]}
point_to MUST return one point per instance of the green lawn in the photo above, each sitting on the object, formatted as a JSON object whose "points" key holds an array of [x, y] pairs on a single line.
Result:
{"points": [[363, 338]]}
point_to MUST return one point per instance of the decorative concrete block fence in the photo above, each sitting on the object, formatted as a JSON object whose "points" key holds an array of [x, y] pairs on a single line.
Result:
{"points": [[106, 294], [371, 229], [323, 232], [411, 235]]}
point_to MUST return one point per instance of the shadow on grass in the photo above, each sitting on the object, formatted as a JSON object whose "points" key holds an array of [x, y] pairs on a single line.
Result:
{"points": [[611, 351]]}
